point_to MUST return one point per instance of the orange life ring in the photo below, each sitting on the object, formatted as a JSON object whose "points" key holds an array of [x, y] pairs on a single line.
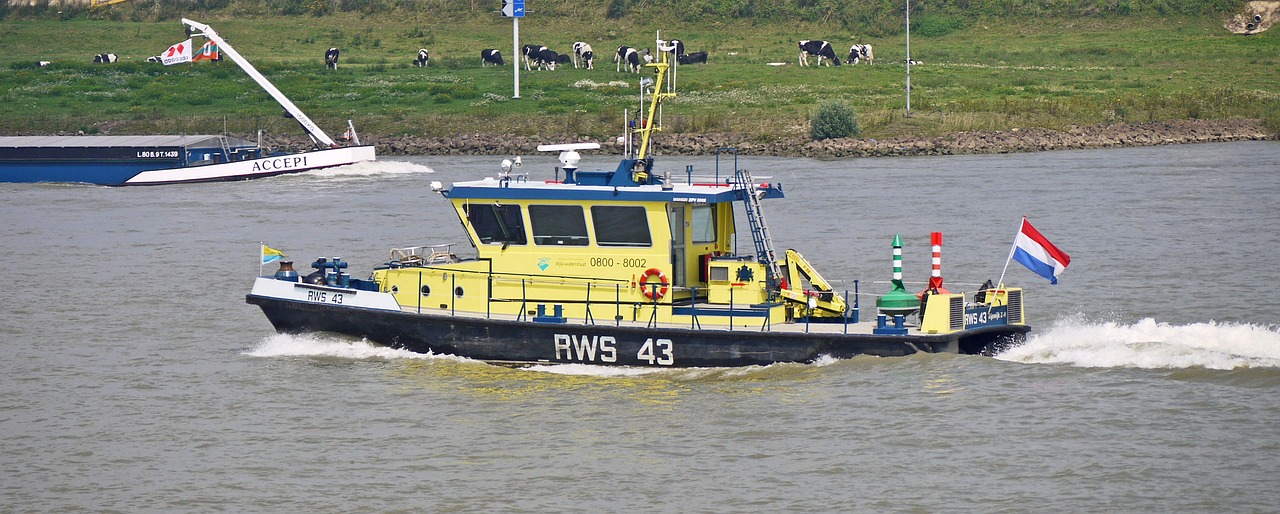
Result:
{"points": [[656, 293]]}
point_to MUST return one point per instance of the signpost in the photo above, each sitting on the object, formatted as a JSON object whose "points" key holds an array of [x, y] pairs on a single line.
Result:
{"points": [[908, 58], [514, 9]]}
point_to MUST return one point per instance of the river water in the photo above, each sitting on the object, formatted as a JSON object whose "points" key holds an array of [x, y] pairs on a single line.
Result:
{"points": [[135, 378]]}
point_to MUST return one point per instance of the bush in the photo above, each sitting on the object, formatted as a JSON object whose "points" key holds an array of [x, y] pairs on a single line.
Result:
{"points": [[617, 9], [834, 119]]}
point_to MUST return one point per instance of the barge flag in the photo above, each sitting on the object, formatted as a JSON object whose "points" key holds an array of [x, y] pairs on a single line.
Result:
{"points": [[1035, 252], [177, 54], [270, 255]]}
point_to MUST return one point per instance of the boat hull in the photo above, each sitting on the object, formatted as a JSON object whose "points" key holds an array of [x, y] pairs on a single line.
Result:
{"points": [[527, 342], [144, 172], [256, 168]]}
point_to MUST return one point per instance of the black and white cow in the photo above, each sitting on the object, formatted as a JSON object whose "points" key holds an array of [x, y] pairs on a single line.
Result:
{"points": [[423, 57], [155, 58], [583, 54], [819, 48], [105, 58], [42, 64], [331, 58], [627, 57], [860, 52], [547, 59], [693, 58], [528, 53], [677, 48], [490, 56]]}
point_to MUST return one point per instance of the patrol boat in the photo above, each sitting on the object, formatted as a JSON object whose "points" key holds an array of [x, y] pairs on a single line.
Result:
{"points": [[623, 267]]}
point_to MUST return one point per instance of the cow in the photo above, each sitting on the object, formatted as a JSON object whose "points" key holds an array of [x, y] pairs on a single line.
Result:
{"points": [[42, 64], [821, 49], [423, 57], [546, 59], [155, 58], [528, 53], [490, 56], [582, 53], [105, 58], [859, 52], [677, 48], [627, 57], [331, 58], [692, 58]]}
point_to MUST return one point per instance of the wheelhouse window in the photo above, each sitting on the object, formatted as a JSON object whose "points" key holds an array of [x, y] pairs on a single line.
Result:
{"points": [[703, 224], [558, 225], [620, 225], [496, 223]]}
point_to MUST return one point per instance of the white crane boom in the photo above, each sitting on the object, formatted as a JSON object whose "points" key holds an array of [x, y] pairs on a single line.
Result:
{"points": [[312, 129]]}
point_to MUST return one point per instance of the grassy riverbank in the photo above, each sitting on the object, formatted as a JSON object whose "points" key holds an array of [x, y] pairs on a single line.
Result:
{"points": [[983, 74]]}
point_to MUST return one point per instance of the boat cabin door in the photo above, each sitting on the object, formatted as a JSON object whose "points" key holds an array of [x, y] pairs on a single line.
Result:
{"points": [[679, 229]]}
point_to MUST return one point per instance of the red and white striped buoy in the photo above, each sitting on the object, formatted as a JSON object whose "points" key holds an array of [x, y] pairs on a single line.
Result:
{"points": [[935, 278]]}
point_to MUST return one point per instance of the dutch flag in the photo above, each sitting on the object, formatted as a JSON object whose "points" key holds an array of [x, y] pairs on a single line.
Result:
{"points": [[1035, 252]]}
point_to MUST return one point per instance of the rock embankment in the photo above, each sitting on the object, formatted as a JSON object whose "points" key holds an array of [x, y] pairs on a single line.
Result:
{"points": [[982, 142]]}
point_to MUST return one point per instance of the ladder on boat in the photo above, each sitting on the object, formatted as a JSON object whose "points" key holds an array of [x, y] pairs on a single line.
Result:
{"points": [[226, 149], [759, 229]]}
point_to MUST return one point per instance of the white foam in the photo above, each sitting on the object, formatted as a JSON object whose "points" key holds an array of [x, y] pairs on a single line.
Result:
{"points": [[1150, 344], [371, 169], [317, 345], [825, 360]]}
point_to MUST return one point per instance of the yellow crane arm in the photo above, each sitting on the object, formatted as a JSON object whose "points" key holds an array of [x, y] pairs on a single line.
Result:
{"points": [[822, 300]]}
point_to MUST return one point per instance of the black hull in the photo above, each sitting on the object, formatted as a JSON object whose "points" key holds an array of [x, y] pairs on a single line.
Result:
{"points": [[506, 341]]}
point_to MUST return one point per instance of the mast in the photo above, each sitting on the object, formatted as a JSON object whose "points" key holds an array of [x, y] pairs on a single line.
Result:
{"points": [[309, 126], [650, 123]]}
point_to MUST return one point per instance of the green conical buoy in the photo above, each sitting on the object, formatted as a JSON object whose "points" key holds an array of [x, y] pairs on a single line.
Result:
{"points": [[897, 301]]}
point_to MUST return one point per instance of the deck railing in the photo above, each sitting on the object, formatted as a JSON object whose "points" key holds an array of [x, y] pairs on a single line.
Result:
{"points": [[606, 292]]}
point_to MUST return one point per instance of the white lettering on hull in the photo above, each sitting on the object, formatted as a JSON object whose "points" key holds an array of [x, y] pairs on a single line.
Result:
{"points": [[604, 349], [158, 155], [983, 317], [586, 349], [280, 163]]}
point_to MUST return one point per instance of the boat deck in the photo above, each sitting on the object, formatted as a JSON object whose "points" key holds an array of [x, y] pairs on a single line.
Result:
{"points": [[606, 317]]}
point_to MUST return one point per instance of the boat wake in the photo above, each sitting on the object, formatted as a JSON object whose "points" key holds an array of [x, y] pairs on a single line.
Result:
{"points": [[369, 169], [314, 345], [1150, 344]]}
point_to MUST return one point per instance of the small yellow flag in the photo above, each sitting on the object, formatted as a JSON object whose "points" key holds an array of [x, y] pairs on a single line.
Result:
{"points": [[270, 254]]}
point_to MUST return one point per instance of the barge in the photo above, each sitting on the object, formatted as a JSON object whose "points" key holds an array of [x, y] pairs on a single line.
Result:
{"points": [[171, 159]]}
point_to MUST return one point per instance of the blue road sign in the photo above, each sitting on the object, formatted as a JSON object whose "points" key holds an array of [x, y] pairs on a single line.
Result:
{"points": [[513, 8]]}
